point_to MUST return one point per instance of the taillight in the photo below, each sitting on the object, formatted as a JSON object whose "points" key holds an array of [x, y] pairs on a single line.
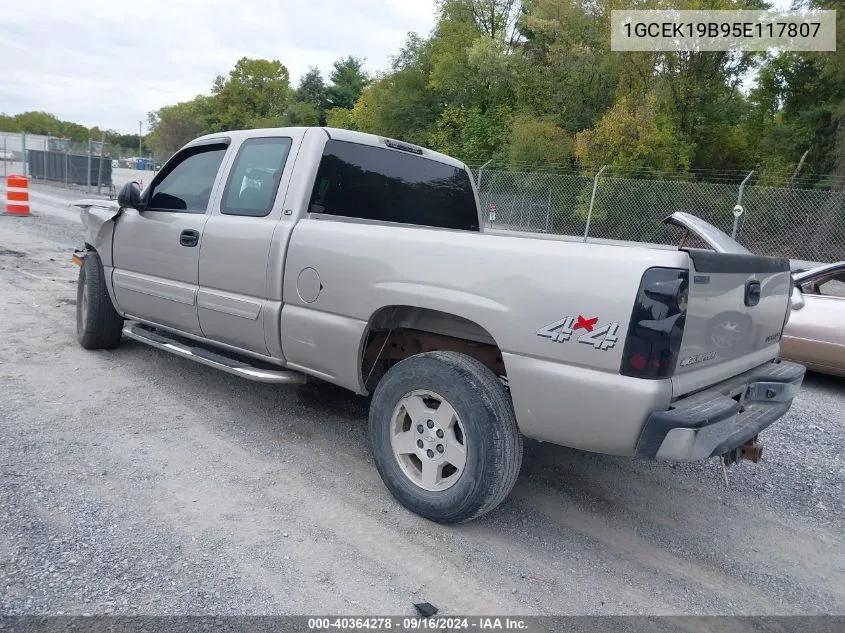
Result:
{"points": [[657, 324]]}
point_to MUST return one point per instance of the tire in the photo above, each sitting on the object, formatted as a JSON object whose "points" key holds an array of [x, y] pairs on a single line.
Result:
{"points": [[98, 325], [483, 430]]}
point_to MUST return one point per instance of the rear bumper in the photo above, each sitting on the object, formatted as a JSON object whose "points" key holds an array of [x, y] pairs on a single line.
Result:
{"points": [[722, 417]]}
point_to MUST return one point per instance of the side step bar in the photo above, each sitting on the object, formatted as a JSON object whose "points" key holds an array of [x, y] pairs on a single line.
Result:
{"points": [[204, 356]]}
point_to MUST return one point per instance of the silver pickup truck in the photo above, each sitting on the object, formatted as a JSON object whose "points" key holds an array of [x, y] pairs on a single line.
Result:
{"points": [[282, 254]]}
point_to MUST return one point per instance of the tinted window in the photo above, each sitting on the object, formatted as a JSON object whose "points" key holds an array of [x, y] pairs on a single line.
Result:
{"points": [[834, 287], [187, 185], [373, 183], [255, 177]]}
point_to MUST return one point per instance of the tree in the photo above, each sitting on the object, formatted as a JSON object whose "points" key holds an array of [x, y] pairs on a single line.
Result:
{"points": [[173, 126], [450, 74], [39, 123], [495, 19], [536, 143], [300, 113], [348, 79], [472, 134], [122, 144], [568, 73], [312, 90], [634, 134], [340, 117], [9, 123], [398, 105], [256, 93]]}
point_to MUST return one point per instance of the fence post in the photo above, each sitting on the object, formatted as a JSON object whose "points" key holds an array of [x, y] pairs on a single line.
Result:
{"points": [[5, 157], [593, 201], [484, 208], [23, 153], [739, 201], [88, 170], [480, 171], [100, 164]]}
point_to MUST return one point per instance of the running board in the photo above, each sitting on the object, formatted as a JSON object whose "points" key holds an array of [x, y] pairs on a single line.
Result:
{"points": [[160, 340]]}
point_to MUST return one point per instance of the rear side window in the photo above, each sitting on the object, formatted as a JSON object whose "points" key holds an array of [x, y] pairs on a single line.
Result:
{"points": [[373, 183], [254, 179]]}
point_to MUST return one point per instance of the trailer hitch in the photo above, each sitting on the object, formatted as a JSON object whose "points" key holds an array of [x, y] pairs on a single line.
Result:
{"points": [[752, 450]]}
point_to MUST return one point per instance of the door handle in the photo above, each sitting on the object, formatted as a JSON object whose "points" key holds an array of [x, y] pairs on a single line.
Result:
{"points": [[189, 237]]}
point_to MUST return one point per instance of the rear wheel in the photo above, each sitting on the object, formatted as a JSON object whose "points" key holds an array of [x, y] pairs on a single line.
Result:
{"points": [[445, 437], [98, 325]]}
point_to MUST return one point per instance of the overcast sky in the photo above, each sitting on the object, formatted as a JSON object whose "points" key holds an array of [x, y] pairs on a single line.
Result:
{"points": [[109, 62]]}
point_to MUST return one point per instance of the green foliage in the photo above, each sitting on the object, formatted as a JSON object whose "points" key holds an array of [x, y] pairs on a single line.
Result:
{"points": [[47, 125], [348, 79], [300, 113], [173, 126], [535, 143], [634, 134], [472, 133], [398, 105], [256, 92], [341, 117], [9, 123], [569, 74], [312, 90]]}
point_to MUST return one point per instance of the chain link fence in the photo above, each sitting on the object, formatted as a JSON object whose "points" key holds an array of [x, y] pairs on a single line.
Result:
{"points": [[91, 165], [803, 224]]}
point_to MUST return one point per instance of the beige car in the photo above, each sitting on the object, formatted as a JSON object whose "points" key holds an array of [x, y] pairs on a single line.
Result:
{"points": [[815, 333]]}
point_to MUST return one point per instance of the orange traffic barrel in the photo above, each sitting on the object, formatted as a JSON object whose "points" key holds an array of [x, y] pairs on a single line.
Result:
{"points": [[17, 195]]}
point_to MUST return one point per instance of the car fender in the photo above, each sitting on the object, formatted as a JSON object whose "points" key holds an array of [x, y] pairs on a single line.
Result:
{"points": [[98, 219]]}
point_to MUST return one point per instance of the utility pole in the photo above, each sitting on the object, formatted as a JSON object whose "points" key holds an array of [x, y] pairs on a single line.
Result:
{"points": [[139, 138]]}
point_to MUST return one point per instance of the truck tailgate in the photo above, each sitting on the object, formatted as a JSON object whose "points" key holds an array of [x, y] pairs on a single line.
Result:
{"points": [[737, 307]]}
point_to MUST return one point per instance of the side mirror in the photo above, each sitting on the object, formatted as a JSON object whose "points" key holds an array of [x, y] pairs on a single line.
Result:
{"points": [[129, 196], [797, 299]]}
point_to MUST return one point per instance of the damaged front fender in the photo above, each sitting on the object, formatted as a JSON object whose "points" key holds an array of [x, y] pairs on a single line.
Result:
{"points": [[98, 219]]}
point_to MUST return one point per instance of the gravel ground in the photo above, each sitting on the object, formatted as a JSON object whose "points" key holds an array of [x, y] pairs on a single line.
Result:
{"points": [[135, 482]]}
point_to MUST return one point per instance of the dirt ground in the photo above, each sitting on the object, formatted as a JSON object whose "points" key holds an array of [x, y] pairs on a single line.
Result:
{"points": [[134, 482]]}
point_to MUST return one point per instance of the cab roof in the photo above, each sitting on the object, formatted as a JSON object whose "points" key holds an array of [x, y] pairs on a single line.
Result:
{"points": [[338, 134]]}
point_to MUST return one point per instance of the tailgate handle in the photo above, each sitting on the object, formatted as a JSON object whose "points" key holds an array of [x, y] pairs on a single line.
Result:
{"points": [[752, 293]]}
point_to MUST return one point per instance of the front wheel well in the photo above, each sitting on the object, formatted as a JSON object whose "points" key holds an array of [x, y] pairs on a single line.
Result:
{"points": [[398, 332]]}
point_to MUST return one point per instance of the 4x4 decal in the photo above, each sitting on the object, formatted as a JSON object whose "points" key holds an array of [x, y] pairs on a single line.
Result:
{"points": [[601, 337]]}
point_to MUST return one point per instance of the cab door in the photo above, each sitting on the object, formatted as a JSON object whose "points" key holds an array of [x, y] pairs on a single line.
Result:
{"points": [[156, 248], [238, 297]]}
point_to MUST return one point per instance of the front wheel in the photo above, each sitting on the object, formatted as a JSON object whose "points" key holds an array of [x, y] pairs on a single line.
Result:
{"points": [[444, 436], [98, 325]]}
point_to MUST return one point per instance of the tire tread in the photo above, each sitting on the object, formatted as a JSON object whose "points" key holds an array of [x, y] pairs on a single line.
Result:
{"points": [[104, 327]]}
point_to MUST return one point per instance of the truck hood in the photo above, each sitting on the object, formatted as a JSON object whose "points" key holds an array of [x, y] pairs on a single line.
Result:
{"points": [[718, 240], [87, 203]]}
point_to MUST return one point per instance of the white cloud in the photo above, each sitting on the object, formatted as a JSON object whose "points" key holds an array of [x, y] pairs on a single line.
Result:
{"points": [[108, 63]]}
